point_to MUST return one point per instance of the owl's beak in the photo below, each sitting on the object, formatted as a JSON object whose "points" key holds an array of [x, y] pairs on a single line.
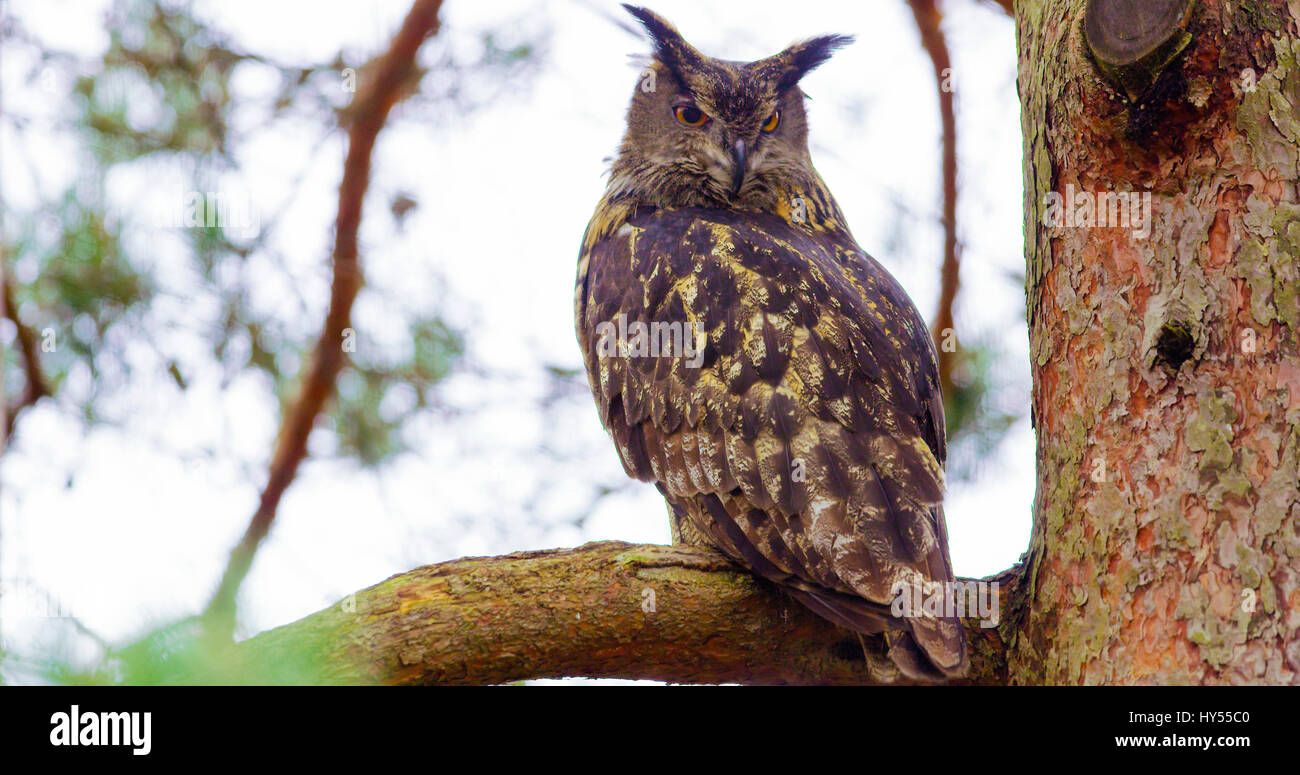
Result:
{"points": [[738, 166]]}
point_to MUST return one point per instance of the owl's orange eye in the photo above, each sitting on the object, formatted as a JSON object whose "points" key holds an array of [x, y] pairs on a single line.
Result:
{"points": [[690, 115], [772, 122]]}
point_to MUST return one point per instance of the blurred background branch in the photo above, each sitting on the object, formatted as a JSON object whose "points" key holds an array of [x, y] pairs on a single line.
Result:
{"points": [[929, 22], [34, 378], [390, 78]]}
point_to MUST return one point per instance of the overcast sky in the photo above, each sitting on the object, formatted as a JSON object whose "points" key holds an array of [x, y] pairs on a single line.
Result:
{"points": [[143, 530]]}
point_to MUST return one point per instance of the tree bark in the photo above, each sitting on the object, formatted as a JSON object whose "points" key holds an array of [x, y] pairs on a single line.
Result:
{"points": [[603, 610], [1166, 377]]}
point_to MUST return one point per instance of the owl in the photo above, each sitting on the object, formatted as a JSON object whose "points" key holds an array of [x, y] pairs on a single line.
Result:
{"points": [[771, 379]]}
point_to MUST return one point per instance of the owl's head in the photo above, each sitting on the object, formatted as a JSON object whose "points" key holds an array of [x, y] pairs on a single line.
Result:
{"points": [[710, 132]]}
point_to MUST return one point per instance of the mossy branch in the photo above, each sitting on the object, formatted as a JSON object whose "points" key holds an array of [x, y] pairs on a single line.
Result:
{"points": [[603, 610]]}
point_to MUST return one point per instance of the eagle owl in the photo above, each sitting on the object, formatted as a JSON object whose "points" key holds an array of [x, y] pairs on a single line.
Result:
{"points": [[772, 380]]}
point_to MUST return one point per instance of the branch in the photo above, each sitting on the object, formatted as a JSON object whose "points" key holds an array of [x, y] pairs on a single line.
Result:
{"points": [[388, 80], [37, 387], [1133, 41], [928, 20], [603, 610]]}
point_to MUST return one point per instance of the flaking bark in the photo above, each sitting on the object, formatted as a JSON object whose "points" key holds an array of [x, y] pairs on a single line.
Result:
{"points": [[1166, 375]]}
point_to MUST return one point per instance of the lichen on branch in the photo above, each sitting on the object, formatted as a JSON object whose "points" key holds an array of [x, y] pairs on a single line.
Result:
{"points": [[603, 610]]}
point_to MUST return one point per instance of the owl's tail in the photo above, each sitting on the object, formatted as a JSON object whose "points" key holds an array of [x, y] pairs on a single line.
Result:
{"points": [[922, 649]]}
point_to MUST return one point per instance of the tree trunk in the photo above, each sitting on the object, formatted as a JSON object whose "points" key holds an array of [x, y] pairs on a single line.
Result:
{"points": [[1166, 378]]}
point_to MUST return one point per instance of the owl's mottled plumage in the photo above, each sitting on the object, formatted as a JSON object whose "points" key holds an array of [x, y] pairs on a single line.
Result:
{"points": [[806, 438]]}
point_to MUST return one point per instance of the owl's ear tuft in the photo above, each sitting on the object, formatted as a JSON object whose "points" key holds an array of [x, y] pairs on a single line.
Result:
{"points": [[670, 47], [798, 60]]}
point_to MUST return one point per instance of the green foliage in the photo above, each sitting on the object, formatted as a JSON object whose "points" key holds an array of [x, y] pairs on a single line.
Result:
{"points": [[85, 286], [164, 86], [377, 398], [976, 423], [86, 275], [182, 653]]}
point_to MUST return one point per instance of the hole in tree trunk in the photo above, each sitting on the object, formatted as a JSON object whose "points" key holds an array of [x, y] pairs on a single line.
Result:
{"points": [[1175, 344]]}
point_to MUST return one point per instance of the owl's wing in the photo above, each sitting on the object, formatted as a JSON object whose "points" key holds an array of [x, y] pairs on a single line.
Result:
{"points": [[805, 437]]}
